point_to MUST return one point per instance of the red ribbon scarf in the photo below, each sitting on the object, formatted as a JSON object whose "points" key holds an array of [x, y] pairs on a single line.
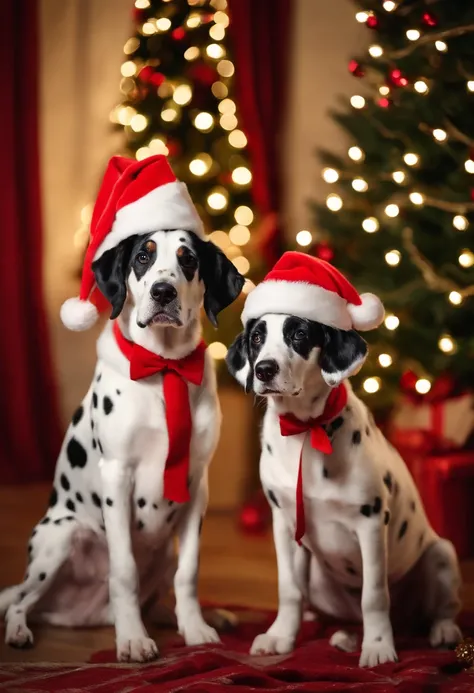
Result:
{"points": [[291, 426], [176, 372]]}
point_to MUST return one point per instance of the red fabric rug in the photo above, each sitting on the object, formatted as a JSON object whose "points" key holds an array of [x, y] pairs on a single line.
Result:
{"points": [[314, 667]]}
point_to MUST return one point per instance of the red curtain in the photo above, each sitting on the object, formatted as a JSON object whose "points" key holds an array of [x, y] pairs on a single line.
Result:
{"points": [[29, 423], [260, 34]]}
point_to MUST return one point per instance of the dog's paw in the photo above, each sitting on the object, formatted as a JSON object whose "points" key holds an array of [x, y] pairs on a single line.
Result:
{"points": [[19, 635], [198, 632], [142, 649], [346, 642], [271, 644], [445, 633], [377, 653]]}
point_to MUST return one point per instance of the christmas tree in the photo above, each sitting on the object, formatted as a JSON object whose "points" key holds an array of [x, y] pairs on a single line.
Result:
{"points": [[177, 84], [399, 216]]}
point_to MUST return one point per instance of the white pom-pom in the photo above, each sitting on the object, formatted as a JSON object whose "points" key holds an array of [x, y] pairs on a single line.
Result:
{"points": [[369, 314], [78, 315]]}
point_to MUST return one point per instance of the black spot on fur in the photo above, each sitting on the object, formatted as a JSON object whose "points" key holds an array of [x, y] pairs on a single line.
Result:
{"points": [[100, 447], [102, 527], [367, 431], [108, 405], [65, 482], [200, 524], [325, 473], [396, 489], [421, 539], [378, 638], [95, 400], [99, 377], [170, 502], [140, 524], [388, 481], [353, 591], [141, 502], [273, 498], [155, 507], [22, 595], [351, 570], [348, 408], [171, 515], [335, 425], [45, 521], [79, 497], [70, 505], [96, 499], [57, 522], [269, 449], [403, 529], [356, 438], [92, 425], [386, 517], [366, 510], [327, 565], [413, 506], [69, 518], [34, 532], [41, 577], [30, 548], [77, 416], [119, 392], [53, 499], [94, 443], [377, 505], [76, 454], [109, 502], [182, 240]]}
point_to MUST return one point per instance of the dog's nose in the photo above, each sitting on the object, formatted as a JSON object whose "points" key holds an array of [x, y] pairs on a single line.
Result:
{"points": [[163, 293], [266, 370]]}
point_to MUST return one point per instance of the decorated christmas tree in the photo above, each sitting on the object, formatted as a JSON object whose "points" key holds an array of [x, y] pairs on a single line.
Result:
{"points": [[399, 215], [177, 86]]}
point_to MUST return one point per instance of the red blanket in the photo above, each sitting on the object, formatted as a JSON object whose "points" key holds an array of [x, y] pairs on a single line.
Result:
{"points": [[314, 667]]}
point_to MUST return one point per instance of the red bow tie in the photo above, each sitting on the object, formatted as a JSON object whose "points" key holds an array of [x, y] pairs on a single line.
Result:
{"points": [[176, 372], [291, 426]]}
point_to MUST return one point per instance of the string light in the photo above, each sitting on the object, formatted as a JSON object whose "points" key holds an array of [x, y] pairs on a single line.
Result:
{"points": [[248, 287], [416, 198], [411, 159], [148, 29], [227, 106], [356, 154], [469, 165], [440, 135], [391, 322], [182, 94], [398, 176], [237, 139], [128, 69], [370, 225], [385, 360], [228, 121], [357, 101], [334, 202], [466, 259], [204, 121], [243, 215], [158, 146], [191, 53], [138, 123], [330, 175], [217, 199], [392, 210], [304, 238], [217, 351], [384, 90], [362, 17], [371, 385], [225, 68], [392, 258], [360, 185], [423, 386], [376, 51], [219, 90], [217, 32], [389, 5], [215, 51], [421, 87], [470, 85], [455, 298], [142, 4], [194, 20], [413, 34], [142, 153], [241, 175], [239, 235], [220, 238], [441, 46], [169, 112], [165, 89], [163, 24], [242, 264], [125, 114], [460, 223], [200, 165], [221, 18], [446, 344]]}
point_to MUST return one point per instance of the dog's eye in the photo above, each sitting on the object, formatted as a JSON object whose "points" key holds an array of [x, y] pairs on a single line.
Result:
{"points": [[299, 334], [186, 258], [142, 258], [256, 338]]}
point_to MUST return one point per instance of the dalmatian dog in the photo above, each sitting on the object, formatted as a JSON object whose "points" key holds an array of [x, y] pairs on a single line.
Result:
{"points": [[104, 551], [367, 540]]}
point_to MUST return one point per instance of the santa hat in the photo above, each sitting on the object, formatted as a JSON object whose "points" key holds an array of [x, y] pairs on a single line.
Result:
{"points": [[310, 288], [134, 197]]}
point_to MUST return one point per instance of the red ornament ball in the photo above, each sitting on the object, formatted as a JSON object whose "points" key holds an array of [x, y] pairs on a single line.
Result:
{"points": [[397, 78], [372, 21], [145, 74], [324, 251], [174, 148], [429, 19], [178, 34], [157, 78], [384, 102], [408, 381], [356, 69], [255, 515], [202, 73]]}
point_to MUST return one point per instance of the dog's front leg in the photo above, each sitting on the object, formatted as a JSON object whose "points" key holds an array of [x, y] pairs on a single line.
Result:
{"points": [[133, 643], [280, 637], [191, 623], [377, 644]]}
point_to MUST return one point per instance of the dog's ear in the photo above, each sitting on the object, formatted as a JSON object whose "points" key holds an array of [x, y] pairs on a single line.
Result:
{"points": [[238, 360], [342, 354], [223, 283], [110, 272]]}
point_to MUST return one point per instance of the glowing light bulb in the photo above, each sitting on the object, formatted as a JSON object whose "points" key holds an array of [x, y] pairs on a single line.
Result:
{"points": [[398, 176], [248, 287], [225, 68], [422, 386], [371, 385], [143, 153], [362, 17], [376, 51], [455, 298], [370, 225], [384, 90], [217, 351], [194, 20], [169, 113], [237, 139], [385, 360], [182, 94], [217, 32], [334, 202], [357, 101], [470, 85], [217, 199], [421, 87], [392, 210], [417, 198], [411, 159], [200, 165], [158, 146], [413, 34], [356, 154], [163, 24], [215, 51], [221, 18], [241, 175], [128, 69], [440, 134], [191, 53], [446, 344], [469, 165], [360, 185], [228, 121], [239, 235], [389, 6], [441, 46], [243, 215], [330, 175], [460, 223], [220, 238], [304, 238], [227, 107], [148, 29], [138, 123], [391, 322], [142, 4], [392, 258], [466, 259], [242, 264], [125, 114], [219, 90], [204, 121]]}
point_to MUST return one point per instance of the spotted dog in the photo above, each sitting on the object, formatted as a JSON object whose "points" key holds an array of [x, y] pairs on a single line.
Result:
{"points": [[367, 539], [103, 552]]}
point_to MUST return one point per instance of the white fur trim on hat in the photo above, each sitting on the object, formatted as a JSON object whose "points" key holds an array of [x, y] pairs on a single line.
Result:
{"points": [[369, 315], [78, 315], [297, 298], [167, 207]]}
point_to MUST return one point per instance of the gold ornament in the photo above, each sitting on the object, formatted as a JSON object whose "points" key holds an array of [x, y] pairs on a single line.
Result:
{"points": [[465, 652]]}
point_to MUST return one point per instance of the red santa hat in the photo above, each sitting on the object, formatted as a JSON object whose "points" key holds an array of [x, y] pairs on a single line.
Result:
{"points": [[134, 197], [310, 288]]}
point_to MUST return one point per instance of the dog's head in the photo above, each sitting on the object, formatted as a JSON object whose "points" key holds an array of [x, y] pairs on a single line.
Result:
{"points": [[166, 275], [277, 354]]}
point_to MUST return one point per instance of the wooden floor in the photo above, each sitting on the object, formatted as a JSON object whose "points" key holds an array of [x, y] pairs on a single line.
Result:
{"points": [[235, 569]]}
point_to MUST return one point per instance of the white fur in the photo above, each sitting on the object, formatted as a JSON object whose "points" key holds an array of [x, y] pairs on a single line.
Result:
{"points": [[107, 563], [78, 315]]}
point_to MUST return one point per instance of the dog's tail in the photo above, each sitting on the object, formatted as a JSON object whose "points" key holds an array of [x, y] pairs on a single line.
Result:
{"points": [[7, 597]]}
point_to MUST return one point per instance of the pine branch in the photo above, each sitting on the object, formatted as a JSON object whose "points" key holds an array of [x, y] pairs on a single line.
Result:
{"points": [[447, 206], [430, 38]]}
